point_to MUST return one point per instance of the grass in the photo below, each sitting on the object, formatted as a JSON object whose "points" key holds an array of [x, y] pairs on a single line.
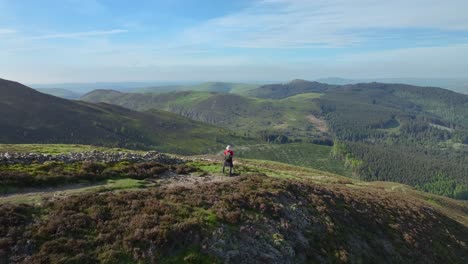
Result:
{"points": [[120, 184], [107, 185], [23, 177], [300, 154], [54, 149]]}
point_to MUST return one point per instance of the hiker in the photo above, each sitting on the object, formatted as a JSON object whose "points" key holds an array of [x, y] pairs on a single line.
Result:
{"points": [[228, 155]]}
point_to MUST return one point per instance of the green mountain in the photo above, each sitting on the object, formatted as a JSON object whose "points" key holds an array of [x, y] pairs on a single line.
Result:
{"points": [[272, 120], [32, 117], [220, 87], [147, 212], [59, 92]]}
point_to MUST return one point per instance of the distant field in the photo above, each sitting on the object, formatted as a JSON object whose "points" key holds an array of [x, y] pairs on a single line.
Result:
{"points": [[301, 154]]}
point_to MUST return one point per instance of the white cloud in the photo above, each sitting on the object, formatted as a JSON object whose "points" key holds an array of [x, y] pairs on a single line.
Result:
{"points": [[298, 23]]}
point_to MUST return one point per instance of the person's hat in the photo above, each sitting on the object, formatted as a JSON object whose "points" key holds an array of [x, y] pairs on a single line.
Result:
{"points": [[228, 147]]}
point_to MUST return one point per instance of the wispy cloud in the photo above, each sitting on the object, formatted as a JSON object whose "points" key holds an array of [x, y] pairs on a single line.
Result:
{"points": [[7, 31], [73, 35], [299, 23]]}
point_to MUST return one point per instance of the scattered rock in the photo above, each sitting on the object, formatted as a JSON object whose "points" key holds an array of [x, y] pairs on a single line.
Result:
{"points": [[96, 156]]}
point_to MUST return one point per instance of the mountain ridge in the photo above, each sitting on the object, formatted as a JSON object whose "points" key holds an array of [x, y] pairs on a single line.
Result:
{"points": [[32, 117]]}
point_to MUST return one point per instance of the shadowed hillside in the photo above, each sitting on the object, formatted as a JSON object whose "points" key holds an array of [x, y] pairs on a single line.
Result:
{"points": [[32, 117]]}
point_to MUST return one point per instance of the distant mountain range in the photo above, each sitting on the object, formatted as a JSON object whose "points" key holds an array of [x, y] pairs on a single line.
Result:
{"points": [[74, 90], [83, 88], [59, 92]]}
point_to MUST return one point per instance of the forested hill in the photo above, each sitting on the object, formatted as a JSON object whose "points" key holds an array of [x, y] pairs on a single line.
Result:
{"points": [[29, 116], [414, 135], [394, 132]]}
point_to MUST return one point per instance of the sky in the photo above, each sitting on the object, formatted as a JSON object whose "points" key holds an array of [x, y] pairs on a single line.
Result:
{"points": [[56, 41]]}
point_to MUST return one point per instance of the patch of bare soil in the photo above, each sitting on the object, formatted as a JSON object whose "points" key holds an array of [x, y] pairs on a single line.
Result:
{"points": [[171, 179], [319, 124]]}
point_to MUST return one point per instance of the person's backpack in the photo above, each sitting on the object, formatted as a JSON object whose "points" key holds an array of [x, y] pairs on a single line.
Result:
{"points": [[228, 156]]}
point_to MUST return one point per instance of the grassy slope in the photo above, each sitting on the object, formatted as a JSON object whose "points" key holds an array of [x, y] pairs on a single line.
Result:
{"points": [[295, 215], [301, 154], [243, 115], [54, 149]]}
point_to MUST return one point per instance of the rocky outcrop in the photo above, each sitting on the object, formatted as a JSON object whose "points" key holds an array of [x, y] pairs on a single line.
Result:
{"points": [[95, 156]]}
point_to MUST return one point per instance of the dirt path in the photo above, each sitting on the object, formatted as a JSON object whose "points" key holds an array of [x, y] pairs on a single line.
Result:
{"points": [[34, 195], [166, 180], [46, 190]]}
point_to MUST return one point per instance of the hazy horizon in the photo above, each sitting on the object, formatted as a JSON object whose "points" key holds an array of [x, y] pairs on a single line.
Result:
{"points": [[176, 82]]}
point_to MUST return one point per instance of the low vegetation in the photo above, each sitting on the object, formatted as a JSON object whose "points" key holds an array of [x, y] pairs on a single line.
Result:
{"points": [[268, 212], [14, 178], [253, 219]]}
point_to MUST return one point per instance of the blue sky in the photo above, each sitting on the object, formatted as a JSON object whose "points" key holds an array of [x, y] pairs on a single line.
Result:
{"points": [[52, 41]]}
